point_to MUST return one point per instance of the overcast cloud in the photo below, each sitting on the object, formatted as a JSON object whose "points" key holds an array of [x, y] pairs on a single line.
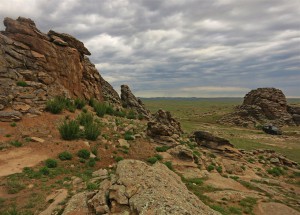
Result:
{"points": [[201, 48]]}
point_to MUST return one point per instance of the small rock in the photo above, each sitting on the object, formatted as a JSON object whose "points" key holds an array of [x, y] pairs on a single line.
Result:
{"points": [[274, 160], [123, 142], [102, 173], [37, 139]]}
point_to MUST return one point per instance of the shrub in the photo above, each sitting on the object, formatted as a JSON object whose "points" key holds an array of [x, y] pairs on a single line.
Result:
{"points": [[91, 162], [120, 113], [219, 169], [92, 102], [14, 186], [100, 109], [22, 84], [79, 103], [54, 106], [248, 204], [85, 118], [84, 110], [118, 158], [162, 148], [152, 160], [44, 170], [65, 156], [128, 136], [197, 181], [16, 143], [91, 131], [91, 186], [13, 124], [51, 163], [158, 156], [69, 130], [140, 117], [109, 110], [131, 115], [276, 171], [83, 153], [169, 165], [210, 168]]}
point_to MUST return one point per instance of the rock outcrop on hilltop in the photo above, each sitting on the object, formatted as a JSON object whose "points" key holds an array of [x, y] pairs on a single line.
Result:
{"points": [[138, 188], [130, 101], [35, 67], [260, 106], [164, 127]]}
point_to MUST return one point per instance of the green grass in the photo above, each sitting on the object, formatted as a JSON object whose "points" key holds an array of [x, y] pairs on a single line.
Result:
{"points": [[16, 143], [22, 84], [69, 130], [83, 153], [92, 131], [65, 156]]}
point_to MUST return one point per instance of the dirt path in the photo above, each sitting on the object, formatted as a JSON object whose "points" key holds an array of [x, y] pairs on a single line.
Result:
{"points": [[13, 161]]}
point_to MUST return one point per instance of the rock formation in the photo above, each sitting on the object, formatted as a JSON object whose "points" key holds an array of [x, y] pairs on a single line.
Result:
{"points": [[130, 101], [295, 112], [260, 106], [35, 67], [138, 188], [163, 124]]}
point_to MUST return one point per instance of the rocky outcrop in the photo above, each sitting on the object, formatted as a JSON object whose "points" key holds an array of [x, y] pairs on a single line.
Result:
{"points": [[35, 67], [130, 101], [163, 124], [138, 188], [210, 141], [260, 106], [295, 112]]}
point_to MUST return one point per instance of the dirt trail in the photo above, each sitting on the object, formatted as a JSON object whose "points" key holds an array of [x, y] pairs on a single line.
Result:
{"points": [[15, 160]]}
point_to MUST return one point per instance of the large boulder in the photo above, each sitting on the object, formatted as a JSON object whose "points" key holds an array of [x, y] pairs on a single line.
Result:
{"points": [[261, 106], [138, 188], [35, 67], [130, 101], [163, 124]]}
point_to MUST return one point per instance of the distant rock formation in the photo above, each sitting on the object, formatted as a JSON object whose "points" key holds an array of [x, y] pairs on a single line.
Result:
{"points": [[163, 124], [35, 67], [138, 188], [260, 106], [130, 101]]}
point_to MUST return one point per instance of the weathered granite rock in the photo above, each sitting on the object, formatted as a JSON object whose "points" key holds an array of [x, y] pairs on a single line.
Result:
{"points": [[163, 124], [8, 116], [141, 189], [261, 106], [35, 67], [130, 101]]}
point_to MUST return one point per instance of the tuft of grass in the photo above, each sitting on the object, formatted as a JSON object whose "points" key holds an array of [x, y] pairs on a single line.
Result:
{"points": [[65, 156], [128, 135], [99, 108], [85, 118], [119, 113], [110, 110], [162, 148], [152, 160], [197, 181], [22, 84], [79, 103], [92, 131], [83, 153], [118, 158], [169, 165], [51, 163], [91, 162], [44, 170], [16, 143], [92, 186], [14, 186], [158, 157], [69, 130], [219, 169], [210, 168], [248, 204], [276, 171], [55, 105], [13, 124], [131, 115]]}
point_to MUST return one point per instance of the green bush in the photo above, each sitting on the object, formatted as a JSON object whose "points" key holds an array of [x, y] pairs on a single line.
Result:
{"points": [[14, 186], [219, 169], [131, 115], [162, 148], [85, 118], [110, 110], [128, 135], [118, 158], [210, 168], [152, 160], [83, 153], [91, 186], [44, 170], [248, 204], [276, 171], [13, 124], [22, 84], [16, 143], [169, 165], [120, 113], [91, 162], [65, 156], [100, 109], [51, 163], [55, 106], [79, 103], [69, 130], [91, 131], [197, 181], [158, 156]]}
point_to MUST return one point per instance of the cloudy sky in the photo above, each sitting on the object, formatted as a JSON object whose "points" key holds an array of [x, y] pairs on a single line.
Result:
{"points": [[202, 48]]}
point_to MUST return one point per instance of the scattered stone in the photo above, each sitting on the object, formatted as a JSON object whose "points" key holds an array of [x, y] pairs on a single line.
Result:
{"points": [[101, 173], [182, 152], [9, 116], [123, 142], [37, 139]]}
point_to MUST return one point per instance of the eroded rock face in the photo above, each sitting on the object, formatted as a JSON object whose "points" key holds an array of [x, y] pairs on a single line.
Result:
{"points": [[260, 106], [130, 101], [35, 67], [163, 124], [142, 189]]}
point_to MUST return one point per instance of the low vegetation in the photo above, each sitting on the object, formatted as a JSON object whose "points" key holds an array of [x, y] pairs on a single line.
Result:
{"points": [[65, 156], [69, 130], [83, 153]]}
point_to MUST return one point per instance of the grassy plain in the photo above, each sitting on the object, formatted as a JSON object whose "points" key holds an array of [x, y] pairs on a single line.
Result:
{"points": [[203, 114]]}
